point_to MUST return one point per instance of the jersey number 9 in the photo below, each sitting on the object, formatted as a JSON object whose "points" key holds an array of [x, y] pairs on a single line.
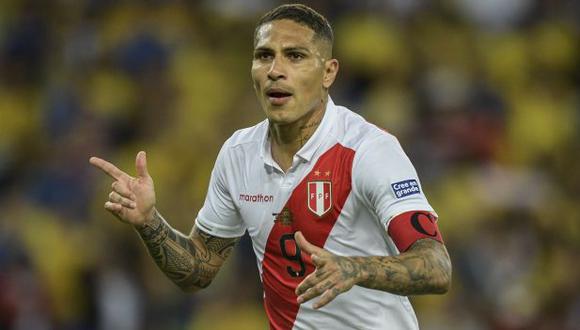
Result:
{"points": [[287, 241]]}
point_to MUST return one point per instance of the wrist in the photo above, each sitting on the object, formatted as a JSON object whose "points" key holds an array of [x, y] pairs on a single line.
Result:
{"points": [[151, 220], [154, 232], [362, 273], [151, 216]]}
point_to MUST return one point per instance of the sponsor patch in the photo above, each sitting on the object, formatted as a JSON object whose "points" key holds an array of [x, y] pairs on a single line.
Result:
{"points": [[405, 188], [257, 198]]}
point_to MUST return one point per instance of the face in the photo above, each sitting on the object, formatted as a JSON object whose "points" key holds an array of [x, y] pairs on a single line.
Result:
{"points": [[291, 76]]}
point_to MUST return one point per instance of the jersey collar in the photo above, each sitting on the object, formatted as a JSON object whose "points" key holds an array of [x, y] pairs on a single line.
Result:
{"points": [[307, 151]]}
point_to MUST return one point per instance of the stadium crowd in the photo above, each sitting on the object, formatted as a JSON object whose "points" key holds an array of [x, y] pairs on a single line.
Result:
{"points": [[483, 95]]}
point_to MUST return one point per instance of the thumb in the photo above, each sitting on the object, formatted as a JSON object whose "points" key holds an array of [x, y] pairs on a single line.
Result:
{"points": [[306, 246], [141, 164]]}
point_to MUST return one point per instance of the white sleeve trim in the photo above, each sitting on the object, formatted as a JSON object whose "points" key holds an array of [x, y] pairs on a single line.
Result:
{"points": [[218, 231]]}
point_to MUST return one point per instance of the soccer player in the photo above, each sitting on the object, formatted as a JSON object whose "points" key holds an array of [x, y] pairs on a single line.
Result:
{"points": [[340, 226]]}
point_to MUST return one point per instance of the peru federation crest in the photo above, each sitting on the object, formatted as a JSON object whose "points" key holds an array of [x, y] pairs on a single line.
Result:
{"points": [[319, 197]]}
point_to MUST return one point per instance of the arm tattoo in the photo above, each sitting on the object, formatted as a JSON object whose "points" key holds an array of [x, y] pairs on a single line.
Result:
{"points": [[190, 262], [423, 269]]}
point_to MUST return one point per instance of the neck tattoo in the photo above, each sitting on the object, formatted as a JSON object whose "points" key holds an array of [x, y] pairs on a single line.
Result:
{"points": [[307, 131], [310, 125]]}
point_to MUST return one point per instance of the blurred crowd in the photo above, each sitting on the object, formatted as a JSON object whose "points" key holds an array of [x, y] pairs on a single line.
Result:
{"points": [[483, 95]]}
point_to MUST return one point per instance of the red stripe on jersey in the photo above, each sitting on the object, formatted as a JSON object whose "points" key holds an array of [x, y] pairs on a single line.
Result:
{"points": [[284, 266], [409, 227]]}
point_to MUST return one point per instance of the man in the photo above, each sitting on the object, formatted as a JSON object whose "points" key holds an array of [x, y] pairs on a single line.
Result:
{"points": [[332, 204]]}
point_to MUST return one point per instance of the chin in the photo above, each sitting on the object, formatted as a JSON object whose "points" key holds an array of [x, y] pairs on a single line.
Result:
{"points": [[280, 120], [277, 113], [279, 117]]}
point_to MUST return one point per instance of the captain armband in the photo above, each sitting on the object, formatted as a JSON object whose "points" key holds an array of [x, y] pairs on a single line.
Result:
{"points": [[409, 227]]}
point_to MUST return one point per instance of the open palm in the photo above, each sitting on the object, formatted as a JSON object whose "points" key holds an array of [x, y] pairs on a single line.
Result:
{"points": [[132, 199]]}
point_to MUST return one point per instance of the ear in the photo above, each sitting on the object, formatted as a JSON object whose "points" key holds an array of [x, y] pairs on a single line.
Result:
{"points": [[330, 71]]}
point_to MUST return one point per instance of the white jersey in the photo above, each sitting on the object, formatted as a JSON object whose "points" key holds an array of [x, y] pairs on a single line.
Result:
{"points": [[344, 186]]}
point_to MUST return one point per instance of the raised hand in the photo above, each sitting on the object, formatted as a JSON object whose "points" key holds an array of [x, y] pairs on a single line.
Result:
{"points": [[132, 199], [333, 275]]}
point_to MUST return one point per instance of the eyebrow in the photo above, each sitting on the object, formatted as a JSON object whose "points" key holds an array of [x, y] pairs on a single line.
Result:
{"points": [[289, 49]]}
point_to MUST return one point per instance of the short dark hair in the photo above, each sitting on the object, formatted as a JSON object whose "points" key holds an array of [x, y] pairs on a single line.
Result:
{"points": [[300, 14]]}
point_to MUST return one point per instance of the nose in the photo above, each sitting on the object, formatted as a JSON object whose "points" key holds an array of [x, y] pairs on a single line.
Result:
{"points": [[276, 71]]}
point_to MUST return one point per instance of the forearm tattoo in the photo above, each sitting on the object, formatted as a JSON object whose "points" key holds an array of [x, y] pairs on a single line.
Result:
{"points": [[423, 269], [190, 262]]}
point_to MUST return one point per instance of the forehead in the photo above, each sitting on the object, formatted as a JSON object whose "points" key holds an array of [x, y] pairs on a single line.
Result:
{"points": [[283, 33]]}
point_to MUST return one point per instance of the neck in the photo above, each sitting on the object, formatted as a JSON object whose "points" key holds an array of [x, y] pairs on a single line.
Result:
{"points": [[287, 139]]}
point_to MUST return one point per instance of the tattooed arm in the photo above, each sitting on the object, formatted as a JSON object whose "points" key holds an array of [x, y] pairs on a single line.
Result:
{"points": [[423, 269], [191, 261]]}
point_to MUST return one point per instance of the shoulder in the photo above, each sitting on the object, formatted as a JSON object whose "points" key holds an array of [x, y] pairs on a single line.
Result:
{"points": [[355, 132], [375, 150], [242, 147], [246, 137]]}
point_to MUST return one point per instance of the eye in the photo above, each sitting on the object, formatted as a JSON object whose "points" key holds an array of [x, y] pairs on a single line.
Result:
{"points": [[263, 56], [296, 56]]}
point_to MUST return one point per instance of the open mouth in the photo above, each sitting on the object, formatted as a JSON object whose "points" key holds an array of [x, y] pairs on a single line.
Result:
{"points": [[278, 97], [276, 94]]}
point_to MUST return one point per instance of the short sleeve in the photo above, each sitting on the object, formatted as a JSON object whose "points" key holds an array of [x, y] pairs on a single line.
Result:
{"points": [[219, 215], [385, 179]]}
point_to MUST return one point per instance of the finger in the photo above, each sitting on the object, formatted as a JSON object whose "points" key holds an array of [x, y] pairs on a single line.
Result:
{"points": [[310, 281], [306, 284], [327, 297], [309, 248], [315, 291], [109, 169], [116, 198], [122, 189], [113, 208], [141, 164]]}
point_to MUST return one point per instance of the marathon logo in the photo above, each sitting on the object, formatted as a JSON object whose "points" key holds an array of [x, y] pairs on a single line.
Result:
{"points": [[405, 188], [259, 198]]}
